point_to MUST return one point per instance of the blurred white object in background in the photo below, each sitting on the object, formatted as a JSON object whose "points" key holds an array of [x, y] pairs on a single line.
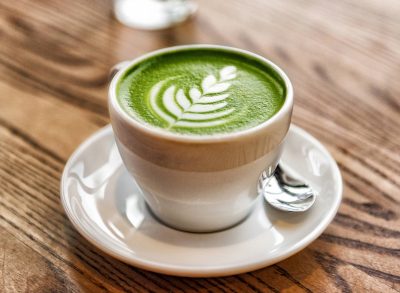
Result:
{"points": [[153, 14]]}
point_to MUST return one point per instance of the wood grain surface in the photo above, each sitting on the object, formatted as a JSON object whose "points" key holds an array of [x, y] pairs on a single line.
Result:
{"points": [[343, 58]]}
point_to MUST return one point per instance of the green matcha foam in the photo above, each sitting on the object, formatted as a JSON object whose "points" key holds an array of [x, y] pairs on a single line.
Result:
{"points": [[201, 91]]}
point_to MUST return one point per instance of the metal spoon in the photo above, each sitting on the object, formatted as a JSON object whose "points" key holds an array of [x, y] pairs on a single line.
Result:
{"points": [[286, 193]]}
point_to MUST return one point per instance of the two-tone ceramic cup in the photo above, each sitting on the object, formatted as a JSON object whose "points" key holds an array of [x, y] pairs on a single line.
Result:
{"points": [[200, 183]]}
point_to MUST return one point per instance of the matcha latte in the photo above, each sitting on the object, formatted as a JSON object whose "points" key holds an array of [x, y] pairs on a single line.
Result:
{"points": [[200, 91]]}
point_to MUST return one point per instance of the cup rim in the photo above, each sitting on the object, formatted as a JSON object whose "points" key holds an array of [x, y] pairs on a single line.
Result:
{"points": [[206, 138]]}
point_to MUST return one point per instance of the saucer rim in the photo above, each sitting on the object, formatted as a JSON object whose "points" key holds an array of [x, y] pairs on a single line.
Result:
{"points": [[214, 271]]}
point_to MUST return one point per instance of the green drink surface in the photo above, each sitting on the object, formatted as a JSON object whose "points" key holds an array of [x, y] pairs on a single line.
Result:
{"points": [[201, 91]]}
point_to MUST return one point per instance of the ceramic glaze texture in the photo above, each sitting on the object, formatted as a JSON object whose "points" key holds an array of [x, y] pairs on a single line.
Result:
{"points": [[199, 201], [108, 209]]}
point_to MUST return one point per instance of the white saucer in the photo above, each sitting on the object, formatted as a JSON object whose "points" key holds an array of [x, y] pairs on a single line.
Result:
{"points": [[106, 207]]}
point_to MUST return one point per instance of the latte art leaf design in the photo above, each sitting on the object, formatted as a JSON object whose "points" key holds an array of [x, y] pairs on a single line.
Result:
{"points": [[204, 106]]}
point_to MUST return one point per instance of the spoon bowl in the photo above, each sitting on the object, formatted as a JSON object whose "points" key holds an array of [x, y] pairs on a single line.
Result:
{"points": [[287, 193]]}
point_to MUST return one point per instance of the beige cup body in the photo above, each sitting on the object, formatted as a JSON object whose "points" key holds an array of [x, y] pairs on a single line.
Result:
{"points": [[195, 184]]}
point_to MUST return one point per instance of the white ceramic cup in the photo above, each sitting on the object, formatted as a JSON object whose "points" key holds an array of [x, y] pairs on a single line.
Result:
{"points": [[199, 183]]}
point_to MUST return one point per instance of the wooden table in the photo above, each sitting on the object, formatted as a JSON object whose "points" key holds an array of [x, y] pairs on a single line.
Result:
{"points": [[343, 58]]}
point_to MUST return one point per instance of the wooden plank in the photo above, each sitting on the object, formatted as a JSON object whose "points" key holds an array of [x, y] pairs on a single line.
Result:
{"points": [[343, 59], [69, 124], [24, 270]]}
